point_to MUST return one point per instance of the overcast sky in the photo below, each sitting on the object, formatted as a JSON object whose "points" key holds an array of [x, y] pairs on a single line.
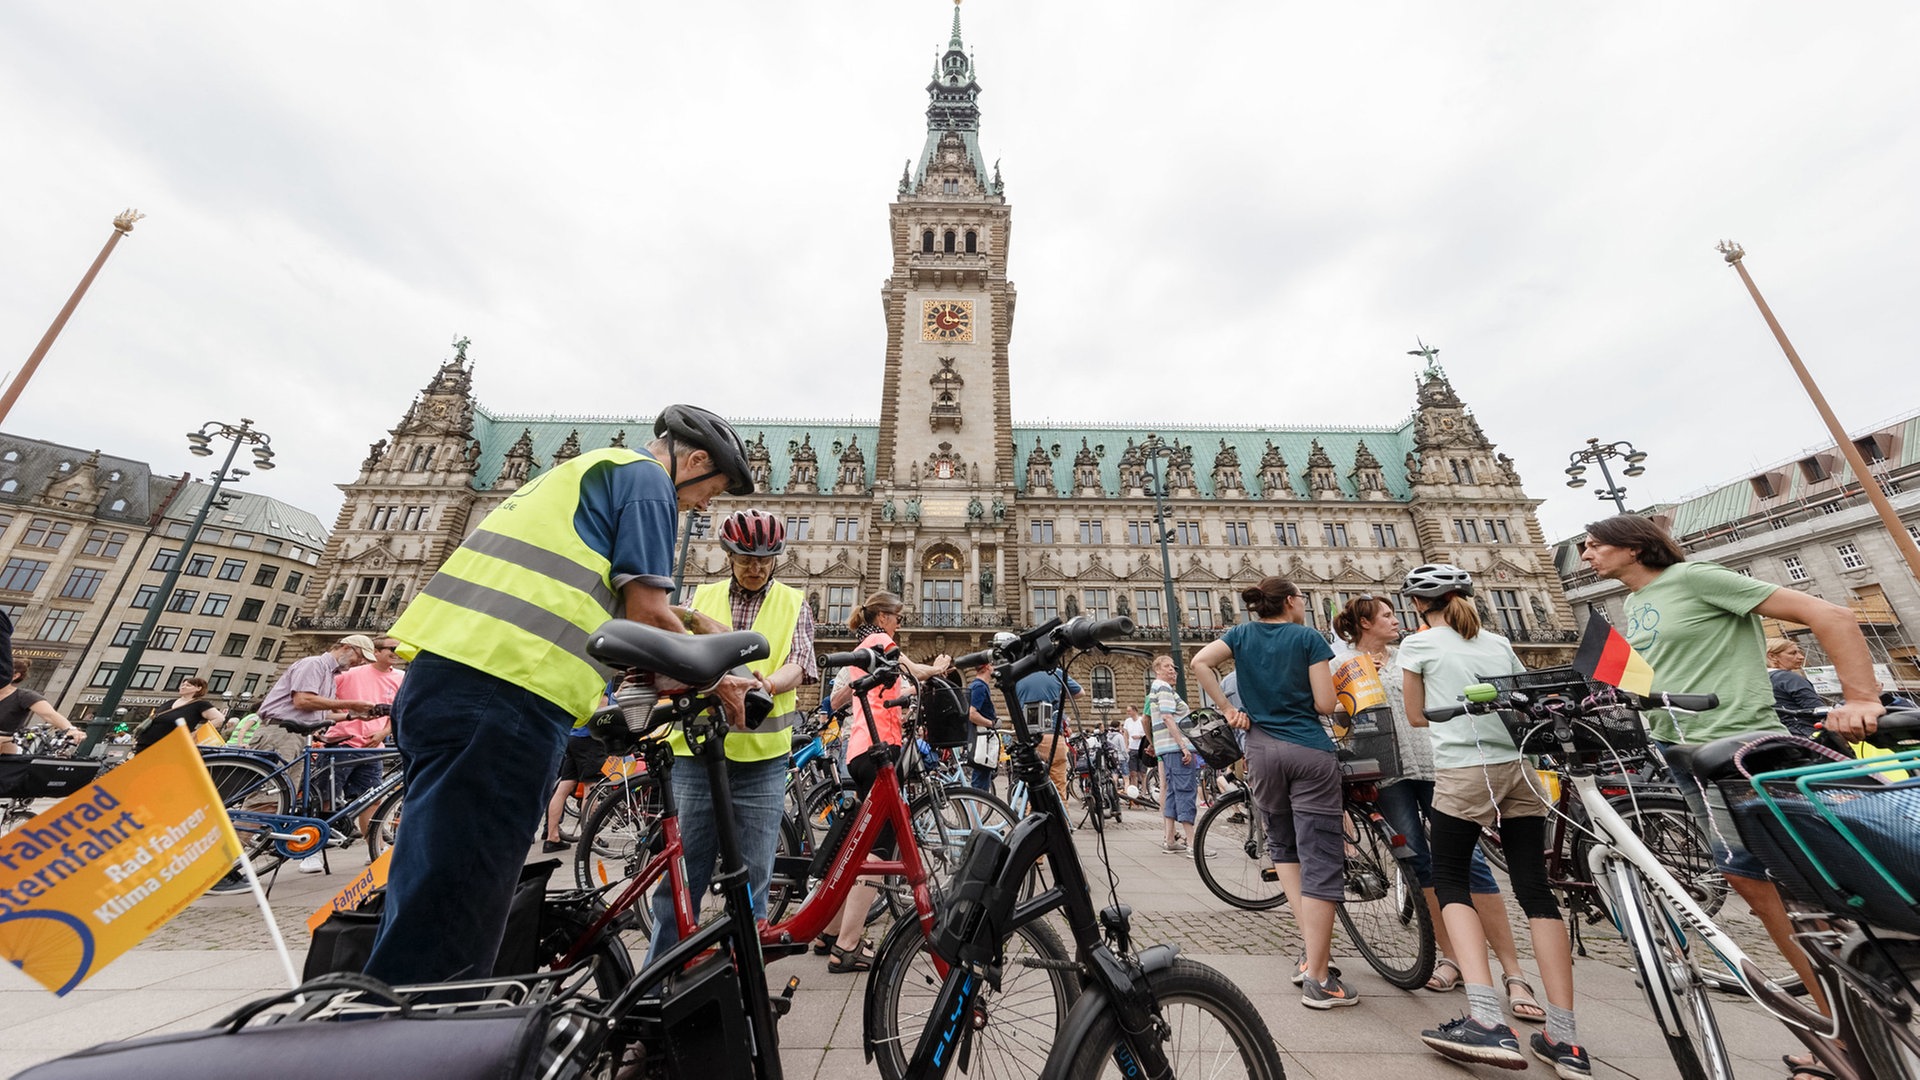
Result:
{"points": [[1236, 212]]}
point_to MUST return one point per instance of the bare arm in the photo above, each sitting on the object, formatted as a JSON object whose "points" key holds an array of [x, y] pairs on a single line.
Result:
{"points": [[1413, 693], [648, 604], [1839, 634], [315, 703], [1320, 676], [45, 711]]}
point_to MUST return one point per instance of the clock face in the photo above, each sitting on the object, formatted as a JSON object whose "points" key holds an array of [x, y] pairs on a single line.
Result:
{"points": [[946, 320]]}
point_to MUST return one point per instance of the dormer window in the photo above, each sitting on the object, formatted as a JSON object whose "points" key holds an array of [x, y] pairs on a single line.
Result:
{"points": [[66, 466], [11, 455]]}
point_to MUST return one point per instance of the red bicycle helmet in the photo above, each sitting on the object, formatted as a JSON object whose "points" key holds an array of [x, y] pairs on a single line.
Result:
{"points": [[753, 532]]}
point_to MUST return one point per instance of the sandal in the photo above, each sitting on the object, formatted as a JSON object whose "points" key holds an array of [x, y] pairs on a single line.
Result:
{"points": [[849, 961], [823, 944], [1442, 982], [1521, 1000], [1807, 1068]]}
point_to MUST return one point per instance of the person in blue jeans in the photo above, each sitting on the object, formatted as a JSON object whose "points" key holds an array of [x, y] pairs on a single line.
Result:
{"points": [[1368, 627], [981, 714], [1179, 764]]}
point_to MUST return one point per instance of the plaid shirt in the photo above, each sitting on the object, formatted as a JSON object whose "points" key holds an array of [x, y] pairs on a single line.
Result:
{"points": [[745, 607]]}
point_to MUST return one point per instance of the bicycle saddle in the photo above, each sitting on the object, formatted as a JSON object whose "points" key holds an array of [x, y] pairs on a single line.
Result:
{"points": [[694, 659], [1713, 762]]}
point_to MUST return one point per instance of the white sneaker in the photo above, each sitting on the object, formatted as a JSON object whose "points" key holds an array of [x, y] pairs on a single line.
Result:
{"points": [[313, 864]]}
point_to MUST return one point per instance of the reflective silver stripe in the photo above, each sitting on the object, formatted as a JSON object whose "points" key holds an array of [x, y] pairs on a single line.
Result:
{"points": [[508, 608], [543, 562], [775, 723]]}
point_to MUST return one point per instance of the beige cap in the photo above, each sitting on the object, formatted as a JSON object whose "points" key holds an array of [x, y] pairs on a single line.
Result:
{"points": [[361, 642]]}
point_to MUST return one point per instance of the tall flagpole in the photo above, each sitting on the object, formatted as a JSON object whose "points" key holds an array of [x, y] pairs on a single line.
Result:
{"points": [[1901, 538], [122, 225]]}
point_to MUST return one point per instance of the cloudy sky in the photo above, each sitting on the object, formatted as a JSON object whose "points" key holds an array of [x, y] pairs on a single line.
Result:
{"points": [[625, 205]]}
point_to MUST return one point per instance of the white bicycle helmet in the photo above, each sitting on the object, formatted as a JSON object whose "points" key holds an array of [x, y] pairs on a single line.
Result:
{"points": [[1437, 579]]}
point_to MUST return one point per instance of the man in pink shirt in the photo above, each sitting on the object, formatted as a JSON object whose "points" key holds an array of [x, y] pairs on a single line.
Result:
{"points": [[376, 682]]}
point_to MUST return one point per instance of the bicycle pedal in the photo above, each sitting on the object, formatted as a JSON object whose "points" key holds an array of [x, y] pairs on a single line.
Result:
{"points": [[783, 1004]]}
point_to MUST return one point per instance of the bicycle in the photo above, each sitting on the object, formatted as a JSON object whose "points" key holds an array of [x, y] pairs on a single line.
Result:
{"points": [[279, 817], [45, 768], [1092, 768], [1868, 978], [1140, 1012]]}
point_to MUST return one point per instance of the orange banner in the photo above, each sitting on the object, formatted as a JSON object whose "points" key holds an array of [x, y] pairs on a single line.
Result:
{"points": [[357, 890]]}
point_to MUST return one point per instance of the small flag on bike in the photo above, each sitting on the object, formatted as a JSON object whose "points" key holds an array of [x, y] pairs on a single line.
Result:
{"points": [[91, 876], [1605, 656]]}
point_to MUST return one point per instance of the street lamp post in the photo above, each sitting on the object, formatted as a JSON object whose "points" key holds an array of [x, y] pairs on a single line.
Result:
{"points": [[1598, 453], [1155, 451], [197, 444]]}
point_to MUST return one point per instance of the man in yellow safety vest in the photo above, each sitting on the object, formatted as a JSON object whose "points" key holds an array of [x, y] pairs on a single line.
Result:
{"points": [[499, 674], [749, 599]]}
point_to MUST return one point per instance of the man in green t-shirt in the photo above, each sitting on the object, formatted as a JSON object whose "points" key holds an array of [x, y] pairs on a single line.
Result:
{"points": [[1698, 625]]}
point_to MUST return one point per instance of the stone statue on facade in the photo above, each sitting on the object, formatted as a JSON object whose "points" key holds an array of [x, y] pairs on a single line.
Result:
{"points": [[976, 511], [1073, 605], [374, 453], [999, 510], [913, 509], [886, 510], [986, 587], [897, 581], [336, 598]]}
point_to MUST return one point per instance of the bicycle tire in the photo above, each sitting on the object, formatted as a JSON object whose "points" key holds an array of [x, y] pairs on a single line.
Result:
{"points": [[254, 787], [613, 842], [1883, 1052], [1667, 826], [1188, 995], [1017, 1022], [1238, 854], [1385, 911], [384, 825], [1668, 977], [12, 819], [942, 822]]}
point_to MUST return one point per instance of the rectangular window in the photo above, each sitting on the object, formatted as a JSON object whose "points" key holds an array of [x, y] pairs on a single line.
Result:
{"points": [[1496, 529], [381, 517], [1889, 486], [801, 528], [124, 636], [280, 613], [1763, 486], [145, 595], [1832, 507], [846, 528], [1914, 531], [218, 682], [45, 533], [1146, 607], [1286, 534], [22, 575], [165, 558], [249, 684], [236, 645], [1046, 605], [199, 565], [1239, 534], [1869, 450], [1313, 610], [198, 641], [414, 519], [1199, 605], [216, 604], [104, 544], [175, 677], [1850, 556], [1466, 530], [265, 651], [242, 540], [164, 638], [270, 546], [103, 675], [183, 600], [1506, 611], [366, 600], [1090, 533], [1336, 534], [1186, 532], [1040, 531], [1099, 603], [293, 582], [250, 610], [145, 678], [177, 530], [1813, 469], [264, 577], [59, 625], [942, 600], [1384, 536], [1403, 611], [233, 569], [1140, 532], [82, 583], [839, 602], [211, 536]]}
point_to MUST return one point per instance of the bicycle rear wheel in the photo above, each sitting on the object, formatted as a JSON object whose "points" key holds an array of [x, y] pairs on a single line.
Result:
{"points": [[1888, 1048], [1385, 912], [943, 819], [1672, 984], [384, 825], [1212, 1030], [252, 786], [613, 842], [1230, 851]]}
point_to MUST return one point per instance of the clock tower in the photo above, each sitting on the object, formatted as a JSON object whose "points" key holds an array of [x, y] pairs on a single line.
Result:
{"points": [[945, 444]]}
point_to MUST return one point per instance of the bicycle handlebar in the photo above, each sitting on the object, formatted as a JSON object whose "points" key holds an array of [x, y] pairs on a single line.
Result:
{"points": [[1521, 701], [866, 659]]}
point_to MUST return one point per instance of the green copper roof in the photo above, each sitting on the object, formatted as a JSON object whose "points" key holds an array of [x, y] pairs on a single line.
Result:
{"points": [[1735, 501], [1389, 445]]}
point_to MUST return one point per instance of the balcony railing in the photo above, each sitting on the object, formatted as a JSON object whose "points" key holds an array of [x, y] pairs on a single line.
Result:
{"points": [[344, 623], [1544, 637]]}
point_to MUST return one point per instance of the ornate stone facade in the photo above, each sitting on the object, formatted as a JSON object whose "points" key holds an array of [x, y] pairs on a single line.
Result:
{"points": [[983, 524]]}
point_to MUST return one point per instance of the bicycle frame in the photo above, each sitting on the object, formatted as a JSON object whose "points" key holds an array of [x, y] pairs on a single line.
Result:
{"points": [[297, 835]]}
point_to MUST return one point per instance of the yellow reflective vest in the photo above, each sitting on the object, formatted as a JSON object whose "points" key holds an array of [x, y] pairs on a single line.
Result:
{"points": [[777, 620], [519, 599]]}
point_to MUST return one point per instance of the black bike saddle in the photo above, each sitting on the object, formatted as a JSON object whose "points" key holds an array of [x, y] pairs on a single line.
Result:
{"points": [[697, 660]]}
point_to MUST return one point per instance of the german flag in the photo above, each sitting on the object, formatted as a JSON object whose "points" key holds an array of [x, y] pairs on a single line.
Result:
{"points": [[1605, 656]]}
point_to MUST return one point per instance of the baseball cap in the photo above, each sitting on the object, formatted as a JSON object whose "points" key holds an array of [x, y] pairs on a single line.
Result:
{"points": [[361, 642]]}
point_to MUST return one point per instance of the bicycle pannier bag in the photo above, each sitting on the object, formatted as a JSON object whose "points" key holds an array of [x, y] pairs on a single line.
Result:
{"points": [[1212, 737], [943, 713], [986, 750]]}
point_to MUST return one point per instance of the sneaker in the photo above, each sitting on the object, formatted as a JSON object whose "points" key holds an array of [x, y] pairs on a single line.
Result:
{"points": [[552, 846], [1174, 849], [1332, 995], [1467, 1039], [1300, 971], [312, 864], [1567, 1059]]}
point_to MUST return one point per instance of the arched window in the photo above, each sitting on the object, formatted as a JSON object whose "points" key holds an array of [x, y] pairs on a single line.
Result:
{"points": [[973, 241], [949, 242], [1102, 683], [926, 241]]}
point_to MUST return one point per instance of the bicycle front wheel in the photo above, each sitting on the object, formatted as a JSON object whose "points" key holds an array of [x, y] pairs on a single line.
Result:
{"points": [[1013, 1026], [1668, 977], [384, 825], [1211, 1030], [254, 787], [613, 842], [1230, 851], [1385, 912], [943, 819]]}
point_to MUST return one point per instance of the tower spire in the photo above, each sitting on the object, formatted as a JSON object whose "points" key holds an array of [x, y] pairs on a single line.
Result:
{"points": [[954, 41], [953, 117]]}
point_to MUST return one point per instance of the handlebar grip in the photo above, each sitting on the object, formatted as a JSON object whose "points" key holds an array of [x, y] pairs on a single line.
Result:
{"points": [[973, 659], [867, 659], [1084, 633], [894, 703], [1440, 714], [1687, 702]]}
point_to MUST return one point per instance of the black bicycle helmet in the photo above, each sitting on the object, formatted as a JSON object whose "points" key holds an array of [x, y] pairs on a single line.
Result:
{"points": [[1437, 579], [707, 431]]}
